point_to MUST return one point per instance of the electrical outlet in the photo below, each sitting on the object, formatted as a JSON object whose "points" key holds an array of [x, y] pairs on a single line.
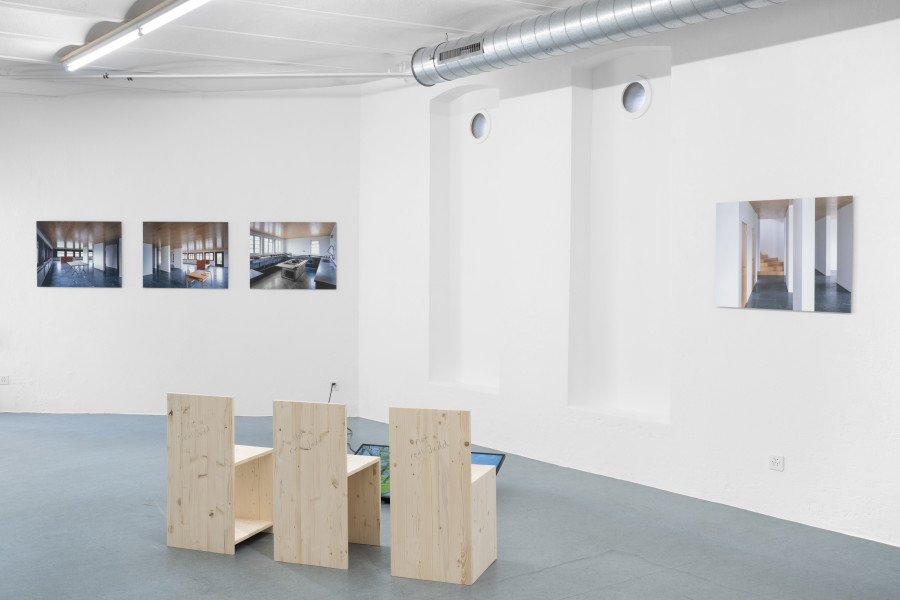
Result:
{"points": [[335, 386], [776, 463], [4, 379]]}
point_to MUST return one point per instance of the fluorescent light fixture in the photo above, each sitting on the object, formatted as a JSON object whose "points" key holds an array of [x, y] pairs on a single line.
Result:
{"points": [[103, 50], [170, 15], [158, 16]]}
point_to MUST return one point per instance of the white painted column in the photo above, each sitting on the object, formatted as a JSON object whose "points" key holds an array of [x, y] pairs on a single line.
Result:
{"points": [[831, 242], [99, 257], [164, 258], [112, 256], [789, 249], [805, 254], [148, 259], [845, 247]]}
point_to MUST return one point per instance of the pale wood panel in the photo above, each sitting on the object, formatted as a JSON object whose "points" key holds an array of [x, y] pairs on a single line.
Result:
{"points": [[79, 234], [484, 518], [244, 454], [358, 462], [479, 471], [291, 230], [200, 473], [266, 487], [194, 236], [310, 503], [364, 501], [253, 488], [245, 528], [431, 501]]}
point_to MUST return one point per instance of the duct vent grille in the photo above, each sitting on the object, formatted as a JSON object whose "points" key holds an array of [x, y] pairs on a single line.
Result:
{"points": [[460, 52]]}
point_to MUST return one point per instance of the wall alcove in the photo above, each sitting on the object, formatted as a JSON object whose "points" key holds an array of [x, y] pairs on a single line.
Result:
{"points": [[624, 265], [465, 293]]}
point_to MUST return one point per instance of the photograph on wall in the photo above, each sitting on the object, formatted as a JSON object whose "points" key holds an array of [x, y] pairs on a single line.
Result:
{"points": [[794, 254], [79, 254], [293, 256], [186, 255]]}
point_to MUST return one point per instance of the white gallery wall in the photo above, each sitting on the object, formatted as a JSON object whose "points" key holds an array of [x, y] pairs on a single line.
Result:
{"points": [[178, 157], [749, 111], [598, 234]]}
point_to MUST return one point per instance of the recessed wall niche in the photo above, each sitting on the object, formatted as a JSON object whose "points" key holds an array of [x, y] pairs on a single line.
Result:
{"points": [[623, 263], [465, 217]]}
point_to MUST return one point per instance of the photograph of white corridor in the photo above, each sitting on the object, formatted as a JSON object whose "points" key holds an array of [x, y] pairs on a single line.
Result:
{"points": [[785, 254]]}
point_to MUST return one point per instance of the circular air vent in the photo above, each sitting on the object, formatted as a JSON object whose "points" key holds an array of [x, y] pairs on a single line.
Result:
{"points": [[636, 97], [480, 126]]}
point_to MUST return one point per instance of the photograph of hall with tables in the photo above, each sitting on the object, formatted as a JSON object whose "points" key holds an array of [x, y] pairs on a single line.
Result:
{"points": [[185, 255], [293, 256], [79, 254]]}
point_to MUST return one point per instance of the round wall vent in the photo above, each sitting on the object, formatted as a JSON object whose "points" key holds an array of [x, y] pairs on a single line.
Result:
{"points": [[636, 97], [480, 126]]}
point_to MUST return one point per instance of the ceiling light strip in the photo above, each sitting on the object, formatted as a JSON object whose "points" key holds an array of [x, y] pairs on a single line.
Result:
{"points": [[136, 76], [130, 31]]}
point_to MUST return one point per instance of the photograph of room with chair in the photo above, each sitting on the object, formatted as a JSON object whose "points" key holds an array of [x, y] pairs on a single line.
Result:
{"points": [[794, 254], [79, 254], [293, 256], [186, 255]]}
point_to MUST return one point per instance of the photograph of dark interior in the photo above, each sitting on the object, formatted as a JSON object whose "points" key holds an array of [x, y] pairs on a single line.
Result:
{"points": [[293, 256], [785, 254], [79, 254], [186, 255]]}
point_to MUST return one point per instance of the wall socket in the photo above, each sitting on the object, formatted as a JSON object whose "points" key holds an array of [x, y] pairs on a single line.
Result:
{"points": [[776, 463], [335, 386], [4, 379]]}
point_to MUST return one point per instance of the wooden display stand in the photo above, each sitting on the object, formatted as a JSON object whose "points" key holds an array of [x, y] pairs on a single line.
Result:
{"points": [[443, 508], [218, 494], [324, 498]]}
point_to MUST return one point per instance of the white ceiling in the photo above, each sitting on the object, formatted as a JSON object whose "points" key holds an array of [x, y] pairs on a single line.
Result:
{"points": [[237, 37]]}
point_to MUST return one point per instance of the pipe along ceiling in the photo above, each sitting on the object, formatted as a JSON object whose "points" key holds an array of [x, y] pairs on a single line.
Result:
{"points": [[565, 30]]}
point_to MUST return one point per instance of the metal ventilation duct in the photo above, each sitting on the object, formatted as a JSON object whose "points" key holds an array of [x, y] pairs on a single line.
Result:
{"points": [[565, 30]]}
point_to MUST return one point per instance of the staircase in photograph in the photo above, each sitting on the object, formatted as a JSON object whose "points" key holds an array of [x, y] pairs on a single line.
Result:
{"points": [[770, 266]]}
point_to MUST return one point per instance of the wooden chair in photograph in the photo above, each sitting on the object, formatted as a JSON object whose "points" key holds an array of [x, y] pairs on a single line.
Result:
{"points": [[324, 498], [217, 494], [443, 508]]}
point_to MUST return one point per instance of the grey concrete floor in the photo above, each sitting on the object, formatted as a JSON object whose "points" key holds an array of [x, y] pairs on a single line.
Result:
{"points": [[82, 510]]}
